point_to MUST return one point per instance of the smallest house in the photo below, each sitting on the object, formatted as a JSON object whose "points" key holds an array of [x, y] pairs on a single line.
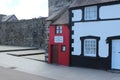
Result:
{"points": [[59, 37]]}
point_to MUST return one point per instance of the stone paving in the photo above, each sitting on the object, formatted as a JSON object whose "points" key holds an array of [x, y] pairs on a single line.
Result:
{"points": [[4, 48], [40, 57], [8, 74], [27, 52], [53, 71]]}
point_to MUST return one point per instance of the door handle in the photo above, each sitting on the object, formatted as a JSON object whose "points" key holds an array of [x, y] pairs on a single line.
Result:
{"points": [[118, 52]]}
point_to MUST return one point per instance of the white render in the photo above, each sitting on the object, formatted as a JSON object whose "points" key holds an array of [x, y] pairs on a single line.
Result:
{"points": [[77, 15], [108, 12], [102, 29]]}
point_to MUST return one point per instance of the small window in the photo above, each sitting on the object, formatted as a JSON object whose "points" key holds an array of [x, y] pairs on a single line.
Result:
{"points": [[63, 48], [58, 29], [90, 47], [90, 13]]}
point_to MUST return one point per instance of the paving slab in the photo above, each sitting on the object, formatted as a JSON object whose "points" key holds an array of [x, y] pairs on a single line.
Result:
{"points": [[27, 52], [50, 71], [56, 72], [40, 57], [4, 48], [8, 74]]}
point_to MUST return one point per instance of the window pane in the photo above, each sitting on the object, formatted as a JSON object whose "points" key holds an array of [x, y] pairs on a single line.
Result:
{"points": [[90, 13], [90, 47], [57, 31], [60, 31], [57, 27], [60, 27], [63, 48]]}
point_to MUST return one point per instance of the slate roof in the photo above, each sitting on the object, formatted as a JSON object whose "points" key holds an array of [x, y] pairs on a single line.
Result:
{"points": [[64, 19], [78, 3], [62, 16], [4, 18], [59, 17]]}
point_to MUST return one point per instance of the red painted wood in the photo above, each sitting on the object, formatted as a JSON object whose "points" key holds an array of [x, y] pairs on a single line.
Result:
{"points": [[63, 57]]}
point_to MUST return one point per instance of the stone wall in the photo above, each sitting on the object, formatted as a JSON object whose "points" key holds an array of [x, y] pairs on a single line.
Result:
{"points": [[24, 33], [55, 5]]}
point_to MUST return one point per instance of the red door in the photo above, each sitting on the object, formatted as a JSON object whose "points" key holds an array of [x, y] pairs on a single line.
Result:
{"points": [[55, 54]]}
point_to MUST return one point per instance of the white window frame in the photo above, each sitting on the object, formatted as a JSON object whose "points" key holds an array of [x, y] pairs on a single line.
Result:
{"points": [[90, 13], [90, 47], [58, 29]]}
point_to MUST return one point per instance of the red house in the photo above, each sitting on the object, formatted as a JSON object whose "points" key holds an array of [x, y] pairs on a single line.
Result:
{"points": [[59, 38]]}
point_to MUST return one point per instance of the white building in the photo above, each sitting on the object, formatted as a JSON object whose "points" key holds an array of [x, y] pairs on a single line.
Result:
{"points": [[95, 33]]}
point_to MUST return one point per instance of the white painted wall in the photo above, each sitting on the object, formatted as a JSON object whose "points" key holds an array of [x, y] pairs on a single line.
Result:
{"points": [[77, 15], [103, 29], [108, 12]]}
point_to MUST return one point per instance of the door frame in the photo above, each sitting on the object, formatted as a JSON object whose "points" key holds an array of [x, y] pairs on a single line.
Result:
{"points": [[109, 41]]}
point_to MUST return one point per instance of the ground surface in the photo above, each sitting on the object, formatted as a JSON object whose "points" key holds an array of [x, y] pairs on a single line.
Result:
{"points": [[38, 69], [8, 74]]}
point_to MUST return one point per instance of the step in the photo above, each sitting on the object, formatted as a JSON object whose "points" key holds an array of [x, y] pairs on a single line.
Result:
{"points": [[40, 57], [114, 71], [27, 52], [15, 48]]}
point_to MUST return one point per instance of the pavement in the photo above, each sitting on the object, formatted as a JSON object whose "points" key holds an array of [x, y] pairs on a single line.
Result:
{"points": [[4, 48], [8, 74], [27, 52], [16, 66], [38, 57]]}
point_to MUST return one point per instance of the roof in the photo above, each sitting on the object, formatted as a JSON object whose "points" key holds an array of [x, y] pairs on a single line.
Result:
{"points": [[64, 19], [78, 3], [7, 17], [56, 14], [60, 17]]}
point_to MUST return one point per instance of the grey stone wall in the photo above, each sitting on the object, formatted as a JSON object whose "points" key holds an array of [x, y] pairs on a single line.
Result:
{"points": [[55, 5], [30, 33]]}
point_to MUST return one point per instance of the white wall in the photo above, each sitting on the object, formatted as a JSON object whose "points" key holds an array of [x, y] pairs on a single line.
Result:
{"points": [[77, 15], [108, 12], [103, 29]]}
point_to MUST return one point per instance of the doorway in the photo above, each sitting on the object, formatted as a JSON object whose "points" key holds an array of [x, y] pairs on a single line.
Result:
{"points": [[54, 52], [115, 54]]}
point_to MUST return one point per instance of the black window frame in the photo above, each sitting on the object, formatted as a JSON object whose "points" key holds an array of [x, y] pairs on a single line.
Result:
{"points": [[89, 37], [85, 14]]}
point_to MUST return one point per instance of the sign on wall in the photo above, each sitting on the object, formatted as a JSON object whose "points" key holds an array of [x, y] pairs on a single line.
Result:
{"points": [[58, 39]]}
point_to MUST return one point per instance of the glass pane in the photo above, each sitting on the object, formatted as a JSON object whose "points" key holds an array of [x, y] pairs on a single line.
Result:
{"points": [[90, 13], [60, 27], [63, 48], [57, 31], [60, 31], [57, 27], [90, 47]]}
